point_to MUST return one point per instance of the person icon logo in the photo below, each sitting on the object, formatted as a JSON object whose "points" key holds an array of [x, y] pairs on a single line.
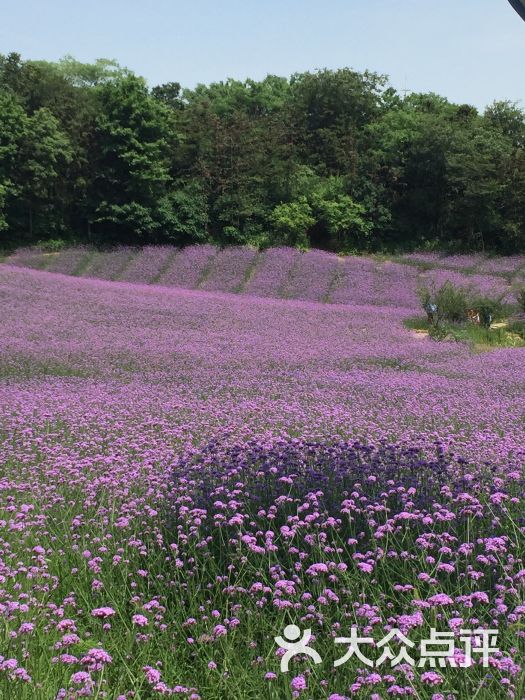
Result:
{"points": [[295, 645]]}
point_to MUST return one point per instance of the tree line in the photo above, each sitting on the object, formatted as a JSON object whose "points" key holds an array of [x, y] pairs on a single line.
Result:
{"points": [[331, 159]]}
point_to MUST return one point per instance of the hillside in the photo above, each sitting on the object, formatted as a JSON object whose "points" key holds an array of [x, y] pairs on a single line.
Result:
{"points": [[284, 273]]}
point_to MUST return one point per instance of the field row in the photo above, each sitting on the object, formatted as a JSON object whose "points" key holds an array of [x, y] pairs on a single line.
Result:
{"points": [[285, 273]]}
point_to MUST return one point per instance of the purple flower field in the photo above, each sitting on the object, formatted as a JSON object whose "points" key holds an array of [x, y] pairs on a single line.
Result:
{"points": [[29, 257], [69, 260], [271, 275], [108, 265], [187, 472], [285, 273], [489, 285], [188, 267], [312, 276], [230, 268], [148, 265], [501, 265], [355, 281]]}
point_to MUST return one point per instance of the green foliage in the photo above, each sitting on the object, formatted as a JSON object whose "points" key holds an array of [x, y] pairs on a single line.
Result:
{"points": [[292, 221], [89, 74], [53, 245], [489, 310], [13, 127], [521, 299], [132, 142], [184, 212], [517, 326], [438, 331], [451, 302], [333, 159], [479, 337], [321, 210], [484, 338], [169, 94], [34, 154], [447, 310], [343, 218]]}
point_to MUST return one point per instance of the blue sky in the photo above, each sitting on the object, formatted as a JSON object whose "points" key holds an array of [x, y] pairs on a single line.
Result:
{"points": [[468, 50]]}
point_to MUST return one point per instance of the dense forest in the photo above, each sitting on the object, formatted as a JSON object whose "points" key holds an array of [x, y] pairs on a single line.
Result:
{"points": [[336, 160]]}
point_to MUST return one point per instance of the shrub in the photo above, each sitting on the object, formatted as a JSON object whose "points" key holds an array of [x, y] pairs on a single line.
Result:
{"points": [[517, 326], [53, 245], [452, 302], [425, 296], [438, 332], [488, 309], [521, 299]]}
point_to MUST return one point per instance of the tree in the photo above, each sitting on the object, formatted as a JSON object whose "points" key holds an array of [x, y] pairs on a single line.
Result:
{"points": [[13, 127], [333, 159], [34, 153], [509, 119], [44, 154], [85, 75], [330, 109], [321, 214], [474, 164], [343, 219], [185, 210], [132, 140], [170, 94], [292, 221]]}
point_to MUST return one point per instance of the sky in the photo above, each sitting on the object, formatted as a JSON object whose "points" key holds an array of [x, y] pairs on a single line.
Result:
{"points": [[470, 51]]}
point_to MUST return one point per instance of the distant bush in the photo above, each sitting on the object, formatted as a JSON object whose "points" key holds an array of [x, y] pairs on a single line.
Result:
{"points": [[488, 310], [438, 332], [53, 245], [521, 299], [517, 325], [448, 303], [454, 304]]}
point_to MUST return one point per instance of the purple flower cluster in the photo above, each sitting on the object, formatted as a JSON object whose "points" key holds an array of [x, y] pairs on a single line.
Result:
{"points": [[148, 264], [487, 285], [230, 268], [33, 257], [312, 276], [395, 284], [108, 265], [270, 277], [355, 281], [298, 522], [502, 265], [188, 267], [69, 260]]}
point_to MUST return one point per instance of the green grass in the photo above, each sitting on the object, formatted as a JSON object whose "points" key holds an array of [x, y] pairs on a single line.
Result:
{"points": [[27, 368], [167, 262], [248, 273], [117, 275], [84, 262], [477, 337]]}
